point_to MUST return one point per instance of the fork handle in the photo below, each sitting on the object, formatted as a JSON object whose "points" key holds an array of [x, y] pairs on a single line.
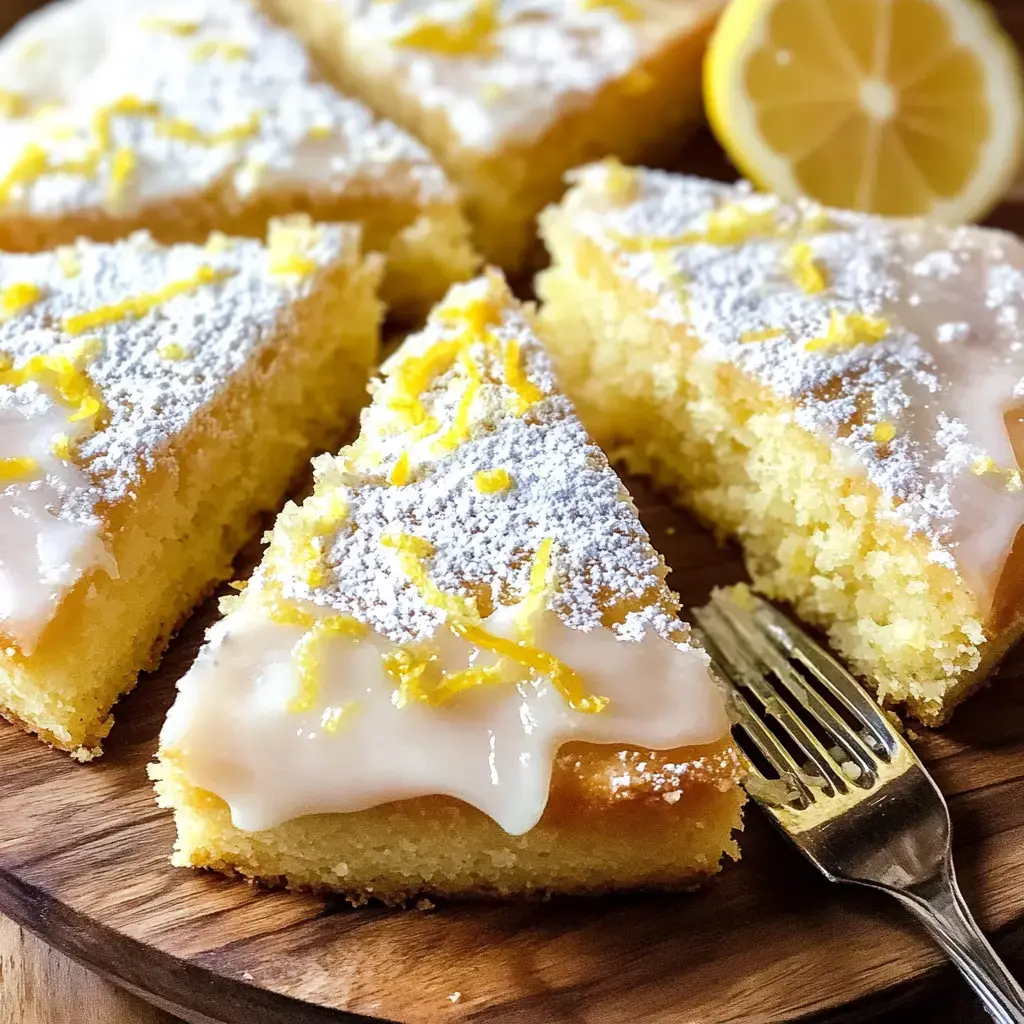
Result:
{"points": [[940, 907]]}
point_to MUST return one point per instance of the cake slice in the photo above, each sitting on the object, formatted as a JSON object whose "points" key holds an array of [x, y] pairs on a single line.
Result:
{"points": [[840, 392], [458, 668], [152, 402], [182, 118], [509, 95]]}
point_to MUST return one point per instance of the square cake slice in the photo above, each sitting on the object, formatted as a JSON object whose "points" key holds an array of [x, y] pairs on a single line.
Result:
{"points": [[842, 393], [458, 669], [182, 118], [152, 402], [511, 94]]}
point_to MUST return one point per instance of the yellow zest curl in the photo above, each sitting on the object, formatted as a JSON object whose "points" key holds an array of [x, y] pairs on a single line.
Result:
{"points": [[214, 48], [140, 305], [18, 469], [564, 679], [808, 274], [122, 167], [492, 481], [537, 591], [307, 653], [64, 379], [470, 35], [748, 337], [400, 472], [462, 425], [185, 131], [883, 432], [628, 10], [731, 224], [18, 297], [172, 351], [515, 378], [172, 26], [12, 104], [409, 665], [847, 330], [412, 552]]}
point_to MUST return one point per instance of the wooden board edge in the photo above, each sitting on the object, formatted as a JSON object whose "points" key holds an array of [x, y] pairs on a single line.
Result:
{"points": [[151, 974]]}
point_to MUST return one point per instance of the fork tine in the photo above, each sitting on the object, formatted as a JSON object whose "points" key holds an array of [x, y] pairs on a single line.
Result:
{"points": [[830, 673], [742, 669], [790, 773], [764, 650]]}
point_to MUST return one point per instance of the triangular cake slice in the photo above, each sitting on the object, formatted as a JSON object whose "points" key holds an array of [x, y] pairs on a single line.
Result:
{"points": [[841, 392], [185, 117], [458, 668], [153, 401]]}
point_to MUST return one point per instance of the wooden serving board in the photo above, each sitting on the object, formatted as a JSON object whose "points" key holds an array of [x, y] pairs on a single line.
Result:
{"points": [[83, 862]]}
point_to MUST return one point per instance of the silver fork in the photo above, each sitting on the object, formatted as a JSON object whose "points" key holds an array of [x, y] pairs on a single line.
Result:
{"points": [[850, 793]]}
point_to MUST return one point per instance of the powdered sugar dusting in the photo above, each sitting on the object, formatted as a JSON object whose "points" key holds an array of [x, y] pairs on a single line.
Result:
{"points": [[563, 489], [238, 109], [540, 60], [927, 409]]}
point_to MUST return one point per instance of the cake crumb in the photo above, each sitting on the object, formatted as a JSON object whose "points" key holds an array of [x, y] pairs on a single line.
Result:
{"points": [[425, 905], [246, 976]]}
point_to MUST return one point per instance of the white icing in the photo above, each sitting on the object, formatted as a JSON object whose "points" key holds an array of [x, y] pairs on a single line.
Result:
{"points": [[85, 55], [42, 553], [492, 748], [545, 59]]}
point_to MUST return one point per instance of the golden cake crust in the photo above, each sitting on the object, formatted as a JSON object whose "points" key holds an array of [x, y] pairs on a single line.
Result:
{"points": [[688, 798]]}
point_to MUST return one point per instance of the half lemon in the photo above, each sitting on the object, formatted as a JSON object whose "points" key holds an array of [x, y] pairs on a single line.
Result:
{"points": [[898, 107]]}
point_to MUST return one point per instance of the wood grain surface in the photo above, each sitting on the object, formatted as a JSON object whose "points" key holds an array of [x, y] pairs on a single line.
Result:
{"points": [[39, 985], [83, 861]]}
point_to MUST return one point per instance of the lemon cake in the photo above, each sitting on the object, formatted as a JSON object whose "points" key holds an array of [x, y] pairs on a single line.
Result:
{"points": [[182, 118], [510, 94], [841, 392], [152, 401], [458, 669]]}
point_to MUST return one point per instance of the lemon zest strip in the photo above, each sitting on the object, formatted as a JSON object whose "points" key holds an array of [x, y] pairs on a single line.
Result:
{"points": [[808, 273], [18, 468], [140, 305], [492, 481], [883, 432], [748, 337], [470, 35], [400, 472], [847, 330], [307, 655], [18, 297]]}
